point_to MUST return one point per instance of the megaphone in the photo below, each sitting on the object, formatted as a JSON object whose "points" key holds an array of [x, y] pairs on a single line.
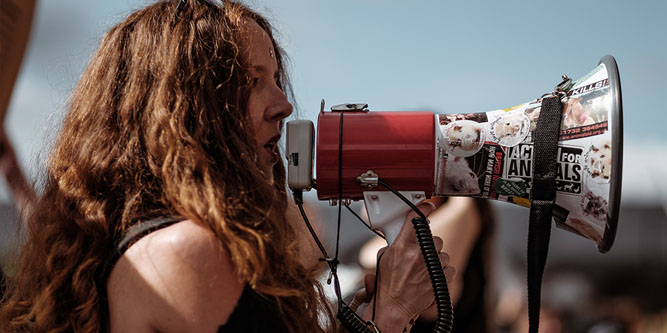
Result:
{"points": [[485, 154]]}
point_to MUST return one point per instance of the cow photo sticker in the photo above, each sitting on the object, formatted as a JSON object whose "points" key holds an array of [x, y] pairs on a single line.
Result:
{"points": [[510, 128], [464, 137]]}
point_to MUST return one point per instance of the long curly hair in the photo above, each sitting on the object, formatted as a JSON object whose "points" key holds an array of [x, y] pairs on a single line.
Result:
{"points": [[158, 126]]}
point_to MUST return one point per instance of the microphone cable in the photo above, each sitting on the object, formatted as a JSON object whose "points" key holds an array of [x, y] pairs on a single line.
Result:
{"points": [[445, 319]]}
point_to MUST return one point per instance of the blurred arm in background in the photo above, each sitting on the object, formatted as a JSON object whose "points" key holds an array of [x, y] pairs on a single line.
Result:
{"points": [[23, 193]]}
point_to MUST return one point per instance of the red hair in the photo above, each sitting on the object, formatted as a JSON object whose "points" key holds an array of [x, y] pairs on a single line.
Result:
{"points": [[157, 126]]}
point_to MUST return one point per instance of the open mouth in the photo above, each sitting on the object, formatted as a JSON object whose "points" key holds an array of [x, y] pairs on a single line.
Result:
{"points": [[271, 147]]}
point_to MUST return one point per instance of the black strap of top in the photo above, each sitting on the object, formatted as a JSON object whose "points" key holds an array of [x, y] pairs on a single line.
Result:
{"points": [[135, 233], [542, 198]]}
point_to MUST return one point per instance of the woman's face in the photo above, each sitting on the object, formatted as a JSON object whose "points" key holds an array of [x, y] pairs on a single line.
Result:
{"points": [[267, 105]]}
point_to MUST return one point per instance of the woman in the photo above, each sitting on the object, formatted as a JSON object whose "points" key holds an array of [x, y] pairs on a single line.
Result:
{"points": [[176, 119]]}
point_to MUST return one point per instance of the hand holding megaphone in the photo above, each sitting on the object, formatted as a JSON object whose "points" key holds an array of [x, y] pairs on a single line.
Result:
{"points": [[404, 286]]}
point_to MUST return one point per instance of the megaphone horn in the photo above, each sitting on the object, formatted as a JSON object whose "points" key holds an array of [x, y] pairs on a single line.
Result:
{"points": [[485, 154]]}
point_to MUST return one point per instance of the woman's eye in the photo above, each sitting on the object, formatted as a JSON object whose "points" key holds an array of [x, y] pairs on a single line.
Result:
{"points": [[254, 81]]}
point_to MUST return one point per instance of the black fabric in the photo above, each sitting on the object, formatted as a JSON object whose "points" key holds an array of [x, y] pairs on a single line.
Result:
{"points": [[253, 312], [542, 198]]}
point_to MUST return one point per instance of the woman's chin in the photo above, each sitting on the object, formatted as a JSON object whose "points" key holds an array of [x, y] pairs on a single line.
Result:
{"points": [[267, 170]]}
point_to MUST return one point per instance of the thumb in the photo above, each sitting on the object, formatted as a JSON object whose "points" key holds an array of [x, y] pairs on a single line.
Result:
{"points": [[407, 233]]}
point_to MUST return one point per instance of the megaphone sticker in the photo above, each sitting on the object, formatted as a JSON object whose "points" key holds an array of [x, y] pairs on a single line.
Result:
{"points": [[464, 137], [598, 161], [510, 128]]}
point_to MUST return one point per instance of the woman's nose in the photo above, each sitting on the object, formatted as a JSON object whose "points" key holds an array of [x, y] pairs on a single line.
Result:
{"points": [[279, 109]]}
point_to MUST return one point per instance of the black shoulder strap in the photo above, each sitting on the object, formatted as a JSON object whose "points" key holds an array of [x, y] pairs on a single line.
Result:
{"points": [[139, 230], [135, 233], [542, 198]]}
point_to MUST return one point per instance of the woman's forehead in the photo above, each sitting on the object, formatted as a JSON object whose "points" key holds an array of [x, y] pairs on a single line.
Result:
{"points": [[258, 46]]}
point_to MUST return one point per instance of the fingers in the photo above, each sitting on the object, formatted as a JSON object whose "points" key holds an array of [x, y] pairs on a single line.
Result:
{"points": [[364, 295], [450, 273], [407, 233], [444, 258], [439, 243], [359, 298], [425, 207]]}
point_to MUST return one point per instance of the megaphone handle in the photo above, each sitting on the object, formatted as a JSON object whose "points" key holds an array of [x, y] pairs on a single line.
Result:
{"points": [[387, 212], [393, 227]]}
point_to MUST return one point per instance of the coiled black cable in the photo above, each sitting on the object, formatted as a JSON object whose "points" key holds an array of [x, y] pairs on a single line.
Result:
{"points": [[351, 321], [445, 320], [443, 302]]}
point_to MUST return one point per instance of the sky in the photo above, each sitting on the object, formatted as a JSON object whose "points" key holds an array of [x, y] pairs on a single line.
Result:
{"points": [[440, 56]]}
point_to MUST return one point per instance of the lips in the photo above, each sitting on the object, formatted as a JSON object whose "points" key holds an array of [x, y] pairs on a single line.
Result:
{"points": [[271, 147]]}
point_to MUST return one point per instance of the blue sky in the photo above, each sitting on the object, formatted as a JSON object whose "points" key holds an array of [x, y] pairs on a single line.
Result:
{"points": [[440, 56]]}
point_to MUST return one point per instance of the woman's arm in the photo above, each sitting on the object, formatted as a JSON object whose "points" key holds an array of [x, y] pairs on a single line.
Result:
{"points": [[178, 279]]}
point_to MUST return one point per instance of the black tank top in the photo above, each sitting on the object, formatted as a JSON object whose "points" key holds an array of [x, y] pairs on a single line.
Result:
{"points": [[253, 312]]}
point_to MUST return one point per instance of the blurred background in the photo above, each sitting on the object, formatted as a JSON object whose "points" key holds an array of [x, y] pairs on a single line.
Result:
{"points": [[445, 57]]}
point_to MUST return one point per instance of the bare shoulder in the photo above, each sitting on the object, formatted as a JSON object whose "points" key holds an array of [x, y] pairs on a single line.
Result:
{"points": [[179, 278]]}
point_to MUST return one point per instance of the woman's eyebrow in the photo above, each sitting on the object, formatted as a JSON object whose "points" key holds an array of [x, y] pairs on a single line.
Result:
{"points": [[259, 68]]}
